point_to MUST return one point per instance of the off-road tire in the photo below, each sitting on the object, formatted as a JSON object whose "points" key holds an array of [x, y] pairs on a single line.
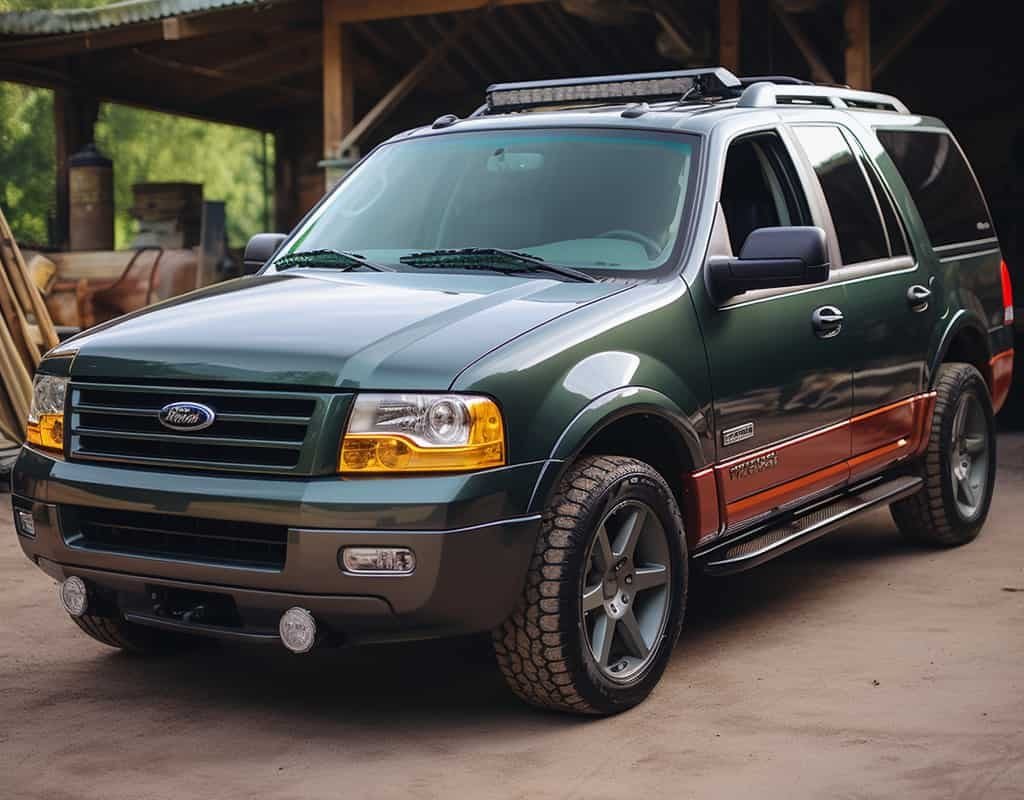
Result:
{"points": [[540, 647], [931, 517], [136, 639]]}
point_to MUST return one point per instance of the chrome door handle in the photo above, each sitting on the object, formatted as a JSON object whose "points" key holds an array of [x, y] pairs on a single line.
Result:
{"points": [[918, 297], [827, 321]]}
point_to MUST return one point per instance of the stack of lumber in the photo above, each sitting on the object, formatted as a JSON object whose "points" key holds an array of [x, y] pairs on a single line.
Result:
{"points": [[26, 333]]}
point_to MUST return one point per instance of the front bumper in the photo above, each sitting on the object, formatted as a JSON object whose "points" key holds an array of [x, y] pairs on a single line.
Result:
{"points": [[470, 533]]}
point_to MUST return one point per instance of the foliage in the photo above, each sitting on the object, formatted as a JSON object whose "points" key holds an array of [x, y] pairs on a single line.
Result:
{"points": [[145, 146]]}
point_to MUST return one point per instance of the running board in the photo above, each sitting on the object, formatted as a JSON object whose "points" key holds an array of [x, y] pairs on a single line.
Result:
{"points": [[765, 543]]}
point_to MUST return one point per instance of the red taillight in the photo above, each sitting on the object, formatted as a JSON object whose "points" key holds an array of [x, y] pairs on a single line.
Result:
{"points": [[1007, 295]]}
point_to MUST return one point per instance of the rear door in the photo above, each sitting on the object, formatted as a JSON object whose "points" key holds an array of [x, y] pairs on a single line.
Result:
{"points": [[891, 302]]}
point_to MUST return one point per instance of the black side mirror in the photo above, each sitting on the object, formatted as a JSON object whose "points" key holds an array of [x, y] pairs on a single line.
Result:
{"points": [[772, 258], [260, 250]]}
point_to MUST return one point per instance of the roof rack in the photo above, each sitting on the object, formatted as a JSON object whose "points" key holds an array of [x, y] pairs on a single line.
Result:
{"points": [[674, 85], [773, 92]]}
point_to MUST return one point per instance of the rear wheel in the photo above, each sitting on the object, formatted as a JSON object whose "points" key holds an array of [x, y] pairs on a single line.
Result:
{"points": [[605, 594], [132, 638], [958, 467]]}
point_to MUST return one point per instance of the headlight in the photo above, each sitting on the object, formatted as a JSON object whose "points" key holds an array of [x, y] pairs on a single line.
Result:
{"points": [[46, 415], [422, 433]]}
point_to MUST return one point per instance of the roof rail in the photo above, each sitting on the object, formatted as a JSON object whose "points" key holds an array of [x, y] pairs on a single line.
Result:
{"points": [[747, 80], [765, 94], [674, 85]]}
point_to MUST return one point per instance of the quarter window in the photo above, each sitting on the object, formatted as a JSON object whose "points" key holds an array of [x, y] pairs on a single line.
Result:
{"points": [[941, 183], [897, 238], [850, 199]]}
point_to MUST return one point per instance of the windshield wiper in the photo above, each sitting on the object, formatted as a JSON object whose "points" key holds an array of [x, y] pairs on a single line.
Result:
{"points": [[492, 258], [329, 259]]}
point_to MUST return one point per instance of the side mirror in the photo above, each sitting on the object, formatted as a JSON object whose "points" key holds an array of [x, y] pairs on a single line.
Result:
{"points": [[772, 258], [260, 250]]}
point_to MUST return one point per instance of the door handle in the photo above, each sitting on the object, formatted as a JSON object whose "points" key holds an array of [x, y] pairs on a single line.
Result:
{"points": [[918, 297], [827, 321]]}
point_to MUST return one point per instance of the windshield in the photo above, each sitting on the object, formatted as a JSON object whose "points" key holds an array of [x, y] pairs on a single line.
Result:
{"points": [[608, 201]]}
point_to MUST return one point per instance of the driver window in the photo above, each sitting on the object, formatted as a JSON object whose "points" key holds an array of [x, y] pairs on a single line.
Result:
{"points": [[760, 188]]}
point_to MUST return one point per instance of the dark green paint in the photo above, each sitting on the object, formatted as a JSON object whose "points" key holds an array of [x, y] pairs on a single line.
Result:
{"points": [[563, 359]]}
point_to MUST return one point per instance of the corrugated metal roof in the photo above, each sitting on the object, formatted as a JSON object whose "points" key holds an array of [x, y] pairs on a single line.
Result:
{"points": [[83, 20]]}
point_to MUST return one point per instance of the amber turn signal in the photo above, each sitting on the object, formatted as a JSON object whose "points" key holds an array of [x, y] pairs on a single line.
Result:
{"points": [[48, 433]]}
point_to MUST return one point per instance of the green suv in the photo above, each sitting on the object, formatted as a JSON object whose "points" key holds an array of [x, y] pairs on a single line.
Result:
{"points": [[522, 372]]}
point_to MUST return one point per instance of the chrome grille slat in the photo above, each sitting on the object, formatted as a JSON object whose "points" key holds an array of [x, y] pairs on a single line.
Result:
{"points": [[254, 430], [87, 408], [186, 439]]}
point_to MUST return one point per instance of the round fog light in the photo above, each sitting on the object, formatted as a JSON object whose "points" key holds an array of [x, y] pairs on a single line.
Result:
{"points": [[298, 630], [74, 596]]}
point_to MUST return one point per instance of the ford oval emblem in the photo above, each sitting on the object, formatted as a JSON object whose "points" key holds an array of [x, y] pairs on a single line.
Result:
{"points": [[186, 416]]}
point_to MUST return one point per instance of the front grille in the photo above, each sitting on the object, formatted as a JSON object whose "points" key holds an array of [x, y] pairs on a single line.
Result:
{"points": [[253, 431], [209, 541]]}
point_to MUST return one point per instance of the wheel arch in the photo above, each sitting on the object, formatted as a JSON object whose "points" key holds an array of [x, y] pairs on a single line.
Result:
{"points": [[966, 340], [637, 422]]}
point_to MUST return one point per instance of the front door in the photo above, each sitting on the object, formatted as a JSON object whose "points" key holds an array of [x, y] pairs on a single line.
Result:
{"points": [[782, 384]]}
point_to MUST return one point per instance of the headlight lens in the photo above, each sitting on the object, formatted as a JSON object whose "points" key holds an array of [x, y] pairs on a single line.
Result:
{"points": [[46, 415], [423, 433]]}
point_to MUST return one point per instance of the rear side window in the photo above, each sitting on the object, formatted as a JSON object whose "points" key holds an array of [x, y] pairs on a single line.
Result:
{"points": [[941, 183], [850, 199]]}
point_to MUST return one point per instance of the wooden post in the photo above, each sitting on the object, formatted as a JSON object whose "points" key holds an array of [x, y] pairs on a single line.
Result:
{"points": [[338, 74], [857, 21], [729, 34], [74, 119]]}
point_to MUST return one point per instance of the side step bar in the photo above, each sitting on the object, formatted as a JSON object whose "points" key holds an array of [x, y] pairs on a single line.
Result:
{"points": [[767, 542]]}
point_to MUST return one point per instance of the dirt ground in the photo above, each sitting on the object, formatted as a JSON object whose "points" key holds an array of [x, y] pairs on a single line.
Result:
{"points": [[854, 667]]}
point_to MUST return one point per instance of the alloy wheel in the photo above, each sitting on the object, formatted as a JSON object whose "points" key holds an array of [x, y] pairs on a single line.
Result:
{"points": [[626, 593], [969, 455]]}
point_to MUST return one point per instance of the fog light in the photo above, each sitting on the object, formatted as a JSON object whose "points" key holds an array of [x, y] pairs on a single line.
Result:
{"points": [[25, 523], [74, 596], [378, 560], [298, 630]]}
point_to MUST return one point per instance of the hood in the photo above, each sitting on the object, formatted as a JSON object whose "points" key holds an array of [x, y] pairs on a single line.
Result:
{"points": [[319, 329]]}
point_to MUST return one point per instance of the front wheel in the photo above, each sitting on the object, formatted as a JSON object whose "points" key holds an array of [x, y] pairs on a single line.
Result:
{"points": [[959, 466], [605, 594]]}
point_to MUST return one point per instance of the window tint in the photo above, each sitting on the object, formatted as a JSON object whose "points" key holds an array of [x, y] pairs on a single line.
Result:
{"points": [[854, 213], [759, 188], [897, 237], [941, 184]]}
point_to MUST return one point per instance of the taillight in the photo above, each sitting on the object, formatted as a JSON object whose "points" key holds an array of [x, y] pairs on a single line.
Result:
{"points": [[1007, 295]]}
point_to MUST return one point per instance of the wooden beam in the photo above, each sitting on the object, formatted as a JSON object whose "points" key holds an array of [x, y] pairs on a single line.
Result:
{"points": [[74, 120], [229, 79], [552, 56], [729, 34], [338, 85], [43, 48], [682, 44], [903, 40], [283, 47], [857, 22], [426, 42], [819, 72], [366, 10], [411, 79]]}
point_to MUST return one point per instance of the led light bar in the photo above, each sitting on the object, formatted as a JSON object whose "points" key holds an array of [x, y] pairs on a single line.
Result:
{"points": [[610, 88]]}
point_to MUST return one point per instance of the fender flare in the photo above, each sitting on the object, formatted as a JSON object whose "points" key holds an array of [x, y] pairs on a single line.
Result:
{"points": [[962, 320], [601, 412]]}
